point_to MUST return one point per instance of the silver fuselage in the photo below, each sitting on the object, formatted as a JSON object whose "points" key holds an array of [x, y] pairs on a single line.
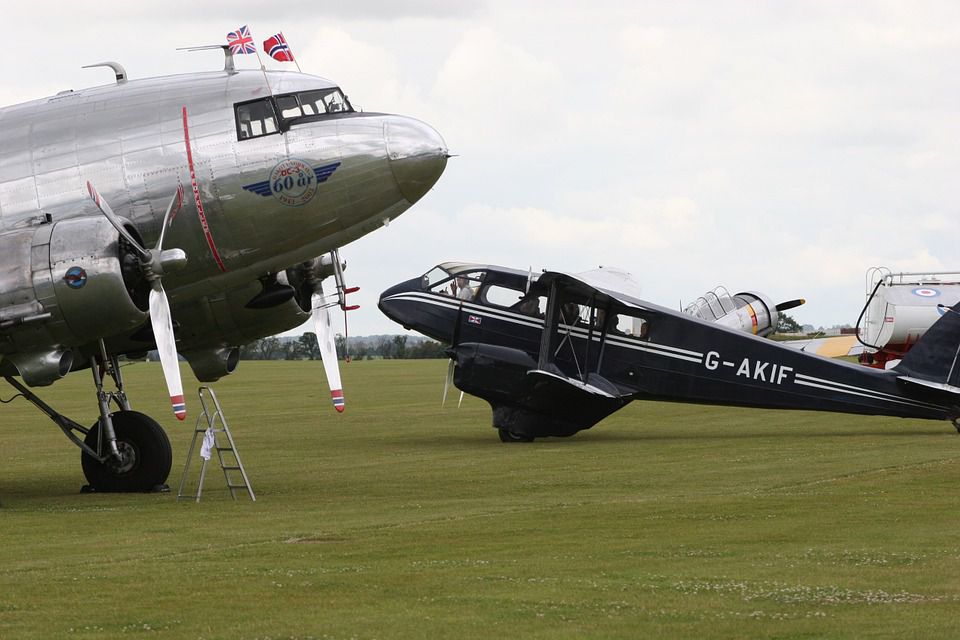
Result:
{"points": [[128, 139]]}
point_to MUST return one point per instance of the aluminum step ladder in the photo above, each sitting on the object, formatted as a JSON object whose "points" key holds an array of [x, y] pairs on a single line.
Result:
{"points": [[207, 431]]}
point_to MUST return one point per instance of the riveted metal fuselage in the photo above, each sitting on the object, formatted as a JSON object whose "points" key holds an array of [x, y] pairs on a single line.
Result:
{"points": [[129, 140]]}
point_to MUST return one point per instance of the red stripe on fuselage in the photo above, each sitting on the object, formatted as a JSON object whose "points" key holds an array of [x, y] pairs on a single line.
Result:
{"points": [[196, 195]]}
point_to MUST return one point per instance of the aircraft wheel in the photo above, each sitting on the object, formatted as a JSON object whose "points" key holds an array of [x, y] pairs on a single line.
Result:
{"points": [[146, 452], [509, 436]]}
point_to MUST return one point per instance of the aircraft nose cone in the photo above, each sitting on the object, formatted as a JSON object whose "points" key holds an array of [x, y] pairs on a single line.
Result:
{"points": [[418, 156]]}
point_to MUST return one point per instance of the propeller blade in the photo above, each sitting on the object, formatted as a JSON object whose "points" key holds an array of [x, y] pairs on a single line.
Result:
{"points": [[460, 402], [166, 345], [114, 220], [448, 381], [328, 350], [790, 304]]}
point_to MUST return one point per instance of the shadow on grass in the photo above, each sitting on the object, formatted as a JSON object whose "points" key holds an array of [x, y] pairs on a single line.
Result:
{"points": [[590, 437]]}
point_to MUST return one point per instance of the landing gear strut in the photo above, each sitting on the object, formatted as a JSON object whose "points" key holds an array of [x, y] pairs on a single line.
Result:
{"points": [[124, 450]]}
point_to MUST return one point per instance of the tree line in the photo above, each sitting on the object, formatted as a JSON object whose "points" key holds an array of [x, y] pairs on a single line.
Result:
{"points": [[306, 348]]}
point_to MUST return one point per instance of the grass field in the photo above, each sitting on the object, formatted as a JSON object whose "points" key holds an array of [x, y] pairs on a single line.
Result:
{"points": [[400, 519]]}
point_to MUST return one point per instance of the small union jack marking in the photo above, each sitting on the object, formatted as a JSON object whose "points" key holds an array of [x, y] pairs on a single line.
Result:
{"points": [[474, 319]]}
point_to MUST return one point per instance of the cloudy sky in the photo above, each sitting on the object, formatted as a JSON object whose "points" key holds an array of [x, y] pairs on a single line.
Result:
{"points": [[779, 147]]}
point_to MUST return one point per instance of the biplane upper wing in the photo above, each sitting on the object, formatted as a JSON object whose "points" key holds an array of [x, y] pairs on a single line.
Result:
{"points": [[604, 282]]}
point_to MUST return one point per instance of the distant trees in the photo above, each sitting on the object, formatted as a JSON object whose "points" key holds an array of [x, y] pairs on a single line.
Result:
{"points": [[786, 324], [305, 347]]}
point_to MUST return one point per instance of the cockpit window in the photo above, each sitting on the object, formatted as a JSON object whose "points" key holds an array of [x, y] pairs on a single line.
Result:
{"points": [[463, 286], [312, 103], [259, 118], [323, 101], [434, 276], [255, 119]]}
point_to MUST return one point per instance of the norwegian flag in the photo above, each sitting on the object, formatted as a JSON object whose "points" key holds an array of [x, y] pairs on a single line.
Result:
{"points": [[240, 41], [278, 48]]}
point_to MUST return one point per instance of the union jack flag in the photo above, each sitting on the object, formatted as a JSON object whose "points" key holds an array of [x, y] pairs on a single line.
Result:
{"points": [[240, 41], [278, 48]]}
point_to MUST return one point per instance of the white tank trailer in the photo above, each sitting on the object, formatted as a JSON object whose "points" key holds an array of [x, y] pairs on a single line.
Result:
{"points": [[899, 309]]}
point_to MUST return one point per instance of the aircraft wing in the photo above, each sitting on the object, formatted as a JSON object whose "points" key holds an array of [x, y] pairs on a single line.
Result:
{"points": [[613, 283], [832, 347]]}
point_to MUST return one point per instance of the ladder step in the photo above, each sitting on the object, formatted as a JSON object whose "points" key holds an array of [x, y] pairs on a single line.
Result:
{"points": [[223, 452]]}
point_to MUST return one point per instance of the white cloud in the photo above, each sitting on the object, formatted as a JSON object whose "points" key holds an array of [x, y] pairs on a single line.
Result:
{"points": [[501, 93]]}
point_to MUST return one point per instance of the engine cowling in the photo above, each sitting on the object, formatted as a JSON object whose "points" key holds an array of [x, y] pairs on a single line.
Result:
{"points": [[747, 311], [68, 284]]}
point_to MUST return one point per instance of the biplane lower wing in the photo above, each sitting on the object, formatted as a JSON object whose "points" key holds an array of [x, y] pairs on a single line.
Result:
{"points": [[528, 402]]}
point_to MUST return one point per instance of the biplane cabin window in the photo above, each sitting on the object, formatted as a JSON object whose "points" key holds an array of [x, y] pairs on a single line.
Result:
{"points": [[501, 296], [635, 326], [616, 321], [255, 119]]}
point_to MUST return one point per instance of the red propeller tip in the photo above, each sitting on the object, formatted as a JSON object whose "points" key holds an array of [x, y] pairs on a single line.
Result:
{"points": [[337, 396], [179, 407]]}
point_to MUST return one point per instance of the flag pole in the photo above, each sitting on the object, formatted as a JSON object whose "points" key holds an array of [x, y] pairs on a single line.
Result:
{"points": [[290, 49], [263, 69]]}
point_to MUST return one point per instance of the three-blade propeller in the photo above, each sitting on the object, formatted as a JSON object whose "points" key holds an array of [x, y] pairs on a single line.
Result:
{"points": [[152, 265], [311, 275], [328, 349]]}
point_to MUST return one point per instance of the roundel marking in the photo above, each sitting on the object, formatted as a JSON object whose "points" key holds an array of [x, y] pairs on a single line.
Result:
{"points": [[75, 277], [925, 292]]}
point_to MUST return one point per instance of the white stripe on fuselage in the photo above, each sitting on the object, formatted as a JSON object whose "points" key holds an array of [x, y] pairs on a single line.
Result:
{"points": [[638, 344]]}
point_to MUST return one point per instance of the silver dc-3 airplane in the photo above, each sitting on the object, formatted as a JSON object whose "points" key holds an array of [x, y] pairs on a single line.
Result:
{"points": [[194, 213], [554, 353]]}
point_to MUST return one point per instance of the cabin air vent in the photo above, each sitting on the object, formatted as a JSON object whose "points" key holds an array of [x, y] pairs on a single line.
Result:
{"points": [[118, 69]]}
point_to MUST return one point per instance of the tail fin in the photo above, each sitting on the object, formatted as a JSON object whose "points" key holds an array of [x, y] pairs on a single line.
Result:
{"points": [[936, 356]]}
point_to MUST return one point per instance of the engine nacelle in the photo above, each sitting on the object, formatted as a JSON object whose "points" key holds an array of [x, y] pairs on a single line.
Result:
{"points": [[68, 283], [316, 270], [209, 365], [43, 367]]}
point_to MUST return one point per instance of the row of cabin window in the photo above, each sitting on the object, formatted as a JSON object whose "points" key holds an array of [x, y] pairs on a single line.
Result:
{"points": [[535, 306]]}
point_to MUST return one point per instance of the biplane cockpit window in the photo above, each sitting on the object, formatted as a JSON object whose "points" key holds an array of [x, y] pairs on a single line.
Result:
{"points": [[435, 276], [255, 119], [463, 285]]}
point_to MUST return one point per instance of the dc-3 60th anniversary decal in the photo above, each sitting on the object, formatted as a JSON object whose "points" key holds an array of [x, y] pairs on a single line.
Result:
{"points": [[293, 182]]}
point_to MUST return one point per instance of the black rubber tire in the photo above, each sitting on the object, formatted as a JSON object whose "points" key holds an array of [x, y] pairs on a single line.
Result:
{"points": [[150, 457], [509, 436]]}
